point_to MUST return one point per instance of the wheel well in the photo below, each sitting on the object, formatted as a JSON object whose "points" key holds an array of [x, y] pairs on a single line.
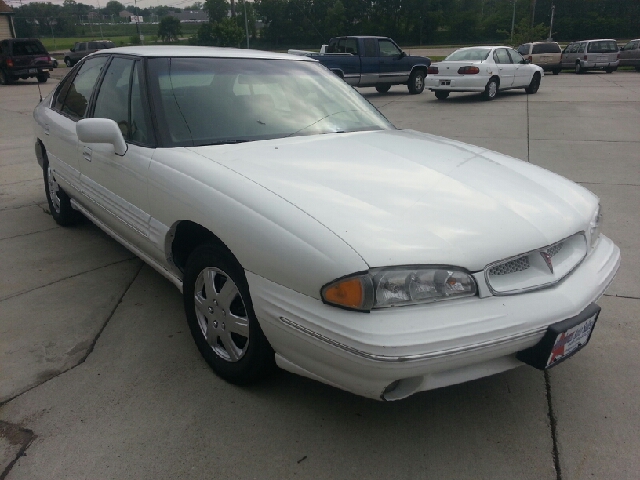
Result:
{"points": [[496, 78], [338, 72], [419, 68], [187, 237]]}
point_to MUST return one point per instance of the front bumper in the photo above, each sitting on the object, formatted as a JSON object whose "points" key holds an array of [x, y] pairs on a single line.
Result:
{"points": [[420, 347]]}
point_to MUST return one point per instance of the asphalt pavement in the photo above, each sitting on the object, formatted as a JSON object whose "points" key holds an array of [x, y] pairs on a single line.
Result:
{"points": [[99, 377]]}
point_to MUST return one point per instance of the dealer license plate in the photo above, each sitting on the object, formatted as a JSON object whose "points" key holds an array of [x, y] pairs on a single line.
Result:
{"points": [[603, 58], [33, 70], [561, 340], [571, 341]]}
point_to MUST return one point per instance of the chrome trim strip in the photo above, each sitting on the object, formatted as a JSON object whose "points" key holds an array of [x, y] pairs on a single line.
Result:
{"points": [[536, 287], [150, 261], [417, 357]]}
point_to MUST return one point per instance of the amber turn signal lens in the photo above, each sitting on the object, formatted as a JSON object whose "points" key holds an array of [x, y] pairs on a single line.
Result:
{"points": [[347, 293]]}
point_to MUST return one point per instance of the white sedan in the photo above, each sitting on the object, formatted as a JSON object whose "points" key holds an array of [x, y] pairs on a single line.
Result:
{"points": [[488, 70], [304, 230]]}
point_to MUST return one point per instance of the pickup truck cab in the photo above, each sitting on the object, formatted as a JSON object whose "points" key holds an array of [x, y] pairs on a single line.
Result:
{"points": [[374, 62]]}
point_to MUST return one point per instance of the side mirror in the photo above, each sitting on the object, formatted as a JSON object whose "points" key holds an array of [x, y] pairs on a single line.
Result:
{"points": [[526, 60], [101, 130], [72, 49], [402, 55]]}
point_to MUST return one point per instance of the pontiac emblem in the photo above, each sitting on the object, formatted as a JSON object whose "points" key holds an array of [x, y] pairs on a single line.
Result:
{"points": [[547, 260]]}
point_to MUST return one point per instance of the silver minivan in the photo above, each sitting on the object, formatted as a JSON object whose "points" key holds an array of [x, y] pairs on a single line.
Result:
{"points": [[586, 55], [630, 54]]}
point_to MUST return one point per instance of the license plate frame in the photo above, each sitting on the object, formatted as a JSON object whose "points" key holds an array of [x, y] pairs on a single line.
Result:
{"points": [[33, 70], [562, 340]]}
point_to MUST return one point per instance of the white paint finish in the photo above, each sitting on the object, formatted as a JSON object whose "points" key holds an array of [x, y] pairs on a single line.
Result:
{"points": [[403, 197], [268, 235]]}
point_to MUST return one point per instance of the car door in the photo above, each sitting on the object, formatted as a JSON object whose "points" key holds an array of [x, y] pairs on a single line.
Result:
{"points": [[69, 105], [630, 54], [79, 52], [117, 185], [392, 68], [568, 56], [506, 69], [369, 64], [523, 71]]}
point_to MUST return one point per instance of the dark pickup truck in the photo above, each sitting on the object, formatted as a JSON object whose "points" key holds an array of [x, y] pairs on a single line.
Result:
{"points": [[373, 62], [23, 58]]}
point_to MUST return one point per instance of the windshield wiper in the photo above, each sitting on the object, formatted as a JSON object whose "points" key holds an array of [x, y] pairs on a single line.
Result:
{"points": [[230, 141]]}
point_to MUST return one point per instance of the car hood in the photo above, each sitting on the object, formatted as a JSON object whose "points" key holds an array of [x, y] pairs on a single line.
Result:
{"points": [[401, 197]]}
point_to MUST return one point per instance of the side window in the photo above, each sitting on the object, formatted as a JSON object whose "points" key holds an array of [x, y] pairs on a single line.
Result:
{"points": [[93, 45], [77, 99], [370, 47], [515, 56], [113, 97], [140, 131], [582, 47], [501, 56], [60, 95], [388, 49], [351, 46], [524, 49], [635, 46], [342, 45]]}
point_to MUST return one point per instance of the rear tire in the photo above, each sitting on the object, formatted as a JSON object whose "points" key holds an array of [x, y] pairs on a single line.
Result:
{"points": [[416, 82], [42, 78], [491, 90], [579, 69], [5, 78], [534, 85], [383, 88], [440, 95], [221, 317], [556, 71], [608, 70]]}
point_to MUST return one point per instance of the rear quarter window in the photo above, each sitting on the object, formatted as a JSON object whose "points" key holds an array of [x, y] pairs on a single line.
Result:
{"points": [[603, 46], [28, 48], [524, 49]]}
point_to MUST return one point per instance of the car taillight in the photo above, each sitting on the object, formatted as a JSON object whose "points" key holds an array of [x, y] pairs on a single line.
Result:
{"points": [[9, 62], [618, 56], [432, 71], [530, 58], [584, 58], [468, 70]]}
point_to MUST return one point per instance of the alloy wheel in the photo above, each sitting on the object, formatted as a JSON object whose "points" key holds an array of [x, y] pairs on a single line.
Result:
{"points": [[54, 189]]}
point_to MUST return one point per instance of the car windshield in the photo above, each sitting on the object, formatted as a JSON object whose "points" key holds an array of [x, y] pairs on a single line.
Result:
{"points": [[473, 54], [603, 46], [208, 101]]}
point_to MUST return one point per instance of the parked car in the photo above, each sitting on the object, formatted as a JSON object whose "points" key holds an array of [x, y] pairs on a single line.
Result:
{"points": [[630, 55], [372, 62], [304, 229], [54, 62], [23, 58], [483, 69], [547, 55], [82, 49], [586, 55]]}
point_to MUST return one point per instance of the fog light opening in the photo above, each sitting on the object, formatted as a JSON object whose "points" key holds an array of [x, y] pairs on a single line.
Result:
{"points": [[399, 389]]}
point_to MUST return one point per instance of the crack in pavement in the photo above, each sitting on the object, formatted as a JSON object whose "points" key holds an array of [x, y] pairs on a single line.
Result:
{"points": [[17, 294], [30, 233], [614, 184], [621, 296], [93, 343], [15, 435], [553, 423]]}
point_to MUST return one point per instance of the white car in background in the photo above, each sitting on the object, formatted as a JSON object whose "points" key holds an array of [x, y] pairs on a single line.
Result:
{"points": [[304, 230], [488, 70]]}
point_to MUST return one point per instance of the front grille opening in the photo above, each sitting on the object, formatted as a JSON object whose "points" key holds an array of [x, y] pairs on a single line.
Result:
{"points": [[512, 266]]}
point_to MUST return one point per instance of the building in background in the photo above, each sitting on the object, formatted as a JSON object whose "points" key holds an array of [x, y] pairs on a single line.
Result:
{"points": [[195, 16], [7, 30]]}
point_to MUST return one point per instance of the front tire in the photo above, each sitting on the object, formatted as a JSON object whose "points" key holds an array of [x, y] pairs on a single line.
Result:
{"points": [[221, 317], [440, 95], [68, 62], [59, 202], [491, 90], [534, 85], [556, 71], [383, 88], [416, 82]]}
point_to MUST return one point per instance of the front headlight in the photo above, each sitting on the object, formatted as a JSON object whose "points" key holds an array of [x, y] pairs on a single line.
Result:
{"points": [[394, 287], [594, 227]]}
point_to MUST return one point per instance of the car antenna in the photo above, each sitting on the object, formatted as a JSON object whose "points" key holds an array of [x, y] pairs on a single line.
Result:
{"points": [[40, 92]]}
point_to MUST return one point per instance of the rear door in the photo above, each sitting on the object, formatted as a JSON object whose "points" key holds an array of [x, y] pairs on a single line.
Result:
{"points": [[523, 71], [506, 68], [369, 64], [569, 55]]}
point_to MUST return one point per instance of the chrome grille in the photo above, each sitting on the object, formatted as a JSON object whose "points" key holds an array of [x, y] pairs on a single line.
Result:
{"points": [[512, 266]]}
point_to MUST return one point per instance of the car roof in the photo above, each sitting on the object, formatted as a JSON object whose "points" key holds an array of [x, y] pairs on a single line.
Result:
{"points": [[213, 52], [538, 43]]}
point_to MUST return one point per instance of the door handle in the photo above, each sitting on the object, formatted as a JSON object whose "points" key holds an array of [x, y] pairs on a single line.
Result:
{"points": [[86, 153], [46, 129]]}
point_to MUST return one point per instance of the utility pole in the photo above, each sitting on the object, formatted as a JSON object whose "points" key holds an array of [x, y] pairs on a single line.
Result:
{"points": [[553, 11], [101, 35], [513, 19], [246, 21], [54, 37], [533, 13], [138, 24]]}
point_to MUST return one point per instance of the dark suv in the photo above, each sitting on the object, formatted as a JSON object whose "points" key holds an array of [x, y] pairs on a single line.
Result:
{"points": [[23, 58], [82, 49]]}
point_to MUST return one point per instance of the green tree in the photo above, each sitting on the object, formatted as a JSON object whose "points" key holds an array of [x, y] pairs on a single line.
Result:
{"points": [[217, 9], [169, 29], [113, 8]]}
